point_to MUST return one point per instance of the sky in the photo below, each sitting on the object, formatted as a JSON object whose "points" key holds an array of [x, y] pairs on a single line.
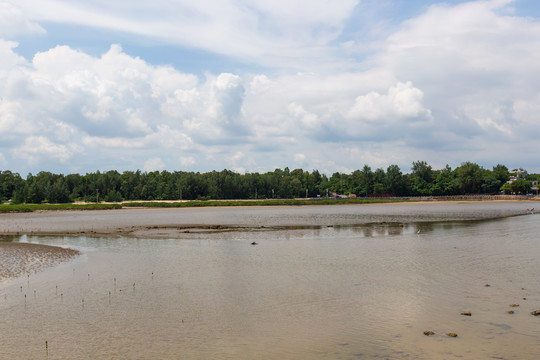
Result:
{"points": [[255, 85]]}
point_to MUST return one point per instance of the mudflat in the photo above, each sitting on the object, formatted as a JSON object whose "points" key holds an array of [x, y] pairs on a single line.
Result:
{"points": [[17, 259], [180, 222]]}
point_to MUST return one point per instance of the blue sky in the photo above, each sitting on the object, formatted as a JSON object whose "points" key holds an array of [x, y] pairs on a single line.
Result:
{"points": [[255, 85]]}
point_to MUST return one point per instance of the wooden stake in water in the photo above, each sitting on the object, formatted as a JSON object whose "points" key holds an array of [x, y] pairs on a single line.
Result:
{"points": [[47, 348]]}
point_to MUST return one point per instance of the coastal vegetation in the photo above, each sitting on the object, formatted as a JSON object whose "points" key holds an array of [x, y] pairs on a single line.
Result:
{"points": [[133, 186], [4, 208], [270, 202]]}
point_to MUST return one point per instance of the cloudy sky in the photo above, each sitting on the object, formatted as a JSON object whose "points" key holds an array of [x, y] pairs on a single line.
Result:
{"points": [[254, 85]]}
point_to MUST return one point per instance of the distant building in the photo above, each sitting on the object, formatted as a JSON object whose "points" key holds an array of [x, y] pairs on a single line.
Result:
{"points": [[521, 174], [517, 174]]}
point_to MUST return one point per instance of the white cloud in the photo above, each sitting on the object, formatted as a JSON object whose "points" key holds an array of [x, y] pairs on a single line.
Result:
{"points": [[13, 21], [299, 158], [459, 81], [306, 119], [526, 112], [270, 33], [403, 102], [187, 161], [234, 159], [259, 84], [153, 164], [39, 148], [112, 144], [113, 103], [8, 58], [8, 116], [227, 95]]}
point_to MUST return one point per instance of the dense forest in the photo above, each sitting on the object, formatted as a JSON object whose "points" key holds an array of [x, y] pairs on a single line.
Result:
{"points": [[112, 186]]}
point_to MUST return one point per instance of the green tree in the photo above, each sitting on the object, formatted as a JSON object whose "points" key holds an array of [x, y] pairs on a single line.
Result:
{"points": [[506, 188], [490, 183], [9, 182], [469, 178], [444, 183], [36, 194], [59, 192], [501, 173], [421, 178], [379, 182], [394, 182], [19, 195], [520, 186]]}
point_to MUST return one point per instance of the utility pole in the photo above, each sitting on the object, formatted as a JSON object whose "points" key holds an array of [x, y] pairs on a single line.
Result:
{"points": [[97, 195]]}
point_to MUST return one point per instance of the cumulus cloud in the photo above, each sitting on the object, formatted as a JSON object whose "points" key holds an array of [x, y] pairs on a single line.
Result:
{"points": [[403, 101], [115, 102], [454, 80]]}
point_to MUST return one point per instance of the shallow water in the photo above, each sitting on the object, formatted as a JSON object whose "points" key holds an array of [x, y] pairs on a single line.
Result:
{"points": [[339, 292]]}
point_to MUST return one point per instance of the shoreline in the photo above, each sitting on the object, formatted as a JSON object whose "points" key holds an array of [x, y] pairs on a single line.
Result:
{"points": [[86, 206]]}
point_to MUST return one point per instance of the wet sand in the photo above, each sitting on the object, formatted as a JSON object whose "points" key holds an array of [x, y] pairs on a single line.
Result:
{"points": [[177, 223], [18, 259]]}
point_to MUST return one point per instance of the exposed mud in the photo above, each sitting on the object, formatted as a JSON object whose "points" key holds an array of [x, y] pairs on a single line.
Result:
{"points": [[18, 259]]}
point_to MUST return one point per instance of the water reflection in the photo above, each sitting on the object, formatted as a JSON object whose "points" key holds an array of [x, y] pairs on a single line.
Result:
{"points": [[9, 238]]}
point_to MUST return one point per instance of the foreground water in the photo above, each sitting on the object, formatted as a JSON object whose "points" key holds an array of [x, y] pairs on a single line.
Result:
{"points": [[335, 292]]}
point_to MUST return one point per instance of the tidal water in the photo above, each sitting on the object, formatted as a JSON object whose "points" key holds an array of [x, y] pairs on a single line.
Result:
{"points": [[344, 291]]}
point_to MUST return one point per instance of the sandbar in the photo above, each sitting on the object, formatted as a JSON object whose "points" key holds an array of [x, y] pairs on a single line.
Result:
{"points": [[177, 222]]}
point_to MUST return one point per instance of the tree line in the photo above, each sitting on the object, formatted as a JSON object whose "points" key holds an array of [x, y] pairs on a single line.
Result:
{"points": [[112, 186]]}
